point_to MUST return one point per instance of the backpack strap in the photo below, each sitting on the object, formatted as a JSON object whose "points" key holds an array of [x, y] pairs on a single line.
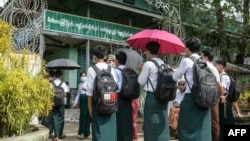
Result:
{"points": [[96, 69], [191, 58], [60, 84], [157, 65]]}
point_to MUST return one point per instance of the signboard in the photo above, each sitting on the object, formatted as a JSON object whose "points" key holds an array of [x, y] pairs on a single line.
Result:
{"points": [[66, 23]]}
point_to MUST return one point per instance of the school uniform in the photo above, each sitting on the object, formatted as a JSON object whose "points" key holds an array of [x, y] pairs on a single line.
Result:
{"points": [[103, 125], [225, 109], [84, 117], [215, 109], [124, 113], [58, 112], [156, 126], [194, 122]]}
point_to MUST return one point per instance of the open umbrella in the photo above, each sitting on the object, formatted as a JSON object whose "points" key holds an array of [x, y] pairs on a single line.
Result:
{"points": [[63, 64], [133, 58], [169, 43]]}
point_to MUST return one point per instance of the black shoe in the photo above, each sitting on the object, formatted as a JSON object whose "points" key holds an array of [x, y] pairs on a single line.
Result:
{"points": [[62, 136], [86, 136]]}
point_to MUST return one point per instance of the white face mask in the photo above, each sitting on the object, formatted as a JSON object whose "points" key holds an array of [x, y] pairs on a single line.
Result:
{"points": [[51, 78], [83, 78]]}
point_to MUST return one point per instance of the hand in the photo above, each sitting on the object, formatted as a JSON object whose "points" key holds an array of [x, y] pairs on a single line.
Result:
{"points": [[140, 67], [239, 115], [223, 99], [74, 105]]}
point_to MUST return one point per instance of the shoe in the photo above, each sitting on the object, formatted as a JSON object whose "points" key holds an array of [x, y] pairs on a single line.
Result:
{"points": [[81, 136], [86, 136], [62, 136]]}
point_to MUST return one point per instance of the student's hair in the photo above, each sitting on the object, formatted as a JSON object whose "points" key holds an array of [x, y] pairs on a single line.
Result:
{"points": [[100, 51], [153, 47], [121, 57], [221, 62], [106, 57], [208, 54], [51, 73], [82, 73], [58, 73], [193, 44]]}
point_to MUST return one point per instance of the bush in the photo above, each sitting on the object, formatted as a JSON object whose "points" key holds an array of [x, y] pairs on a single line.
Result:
{"points": [[24, 88]]}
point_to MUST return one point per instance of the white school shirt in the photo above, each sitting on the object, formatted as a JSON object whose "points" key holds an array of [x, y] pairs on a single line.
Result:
{"points": [[225, 81], [82, 89], [91, 76], [149, 71], [214, 71], [64, 86], [186, 67], [119, 76], [179, 96]]}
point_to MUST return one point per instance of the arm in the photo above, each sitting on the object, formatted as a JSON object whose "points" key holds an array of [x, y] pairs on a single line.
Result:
{"points": [[143, 77], [90, 105], [236, 109], [77, 97], [181, 70]]}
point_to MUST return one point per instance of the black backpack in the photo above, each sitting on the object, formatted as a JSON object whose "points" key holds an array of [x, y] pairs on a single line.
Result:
{"points": [[130, 88], [105, 91], [166, 87], [59, 94], [205, 87], [233, 91]]}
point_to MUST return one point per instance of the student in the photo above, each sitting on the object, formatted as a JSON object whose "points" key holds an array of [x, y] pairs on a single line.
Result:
{"points": [[225, 107], [208, 57], [175, 109], [194, 122], [103, 125], [124, 113], [82, 99], [58, 111], [155, 113]]}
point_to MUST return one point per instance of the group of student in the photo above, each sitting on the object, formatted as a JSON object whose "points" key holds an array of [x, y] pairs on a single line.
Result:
{"points": [[204, 124], [194, 123]]}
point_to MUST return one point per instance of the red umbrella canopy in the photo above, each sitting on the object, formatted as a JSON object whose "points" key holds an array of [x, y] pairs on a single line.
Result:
{"points": [[169, 43]]}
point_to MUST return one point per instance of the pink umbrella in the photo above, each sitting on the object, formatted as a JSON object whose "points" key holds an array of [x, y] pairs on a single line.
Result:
{"points": [[169, 43]]}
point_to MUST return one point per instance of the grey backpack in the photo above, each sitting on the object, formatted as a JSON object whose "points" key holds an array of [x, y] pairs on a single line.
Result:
{"points": [[59, 94], [205, 88]]}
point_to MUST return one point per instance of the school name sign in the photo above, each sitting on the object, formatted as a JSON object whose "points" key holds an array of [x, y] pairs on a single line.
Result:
{"points": [[66, 23]]}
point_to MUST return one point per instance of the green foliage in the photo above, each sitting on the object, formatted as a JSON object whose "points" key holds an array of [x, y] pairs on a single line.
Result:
{"points": [[24, 88], [243, 99]]}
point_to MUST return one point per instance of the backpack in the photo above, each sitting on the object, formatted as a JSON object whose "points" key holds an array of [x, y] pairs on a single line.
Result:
{"points": [[205, 87], [233, 90], [105, 91], [166, 87], [130, 88], [59, 94]]}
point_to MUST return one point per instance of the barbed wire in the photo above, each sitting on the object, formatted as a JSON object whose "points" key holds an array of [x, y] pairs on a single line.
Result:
{"points": [[26, 18]]}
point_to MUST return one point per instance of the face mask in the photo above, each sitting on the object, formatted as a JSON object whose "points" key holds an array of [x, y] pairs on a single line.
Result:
{"points": [[51, 78], [83, 79]]}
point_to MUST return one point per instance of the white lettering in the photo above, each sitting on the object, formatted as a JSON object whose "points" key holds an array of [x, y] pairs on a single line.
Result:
{"points": [[243, 131], [231, 132]]}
